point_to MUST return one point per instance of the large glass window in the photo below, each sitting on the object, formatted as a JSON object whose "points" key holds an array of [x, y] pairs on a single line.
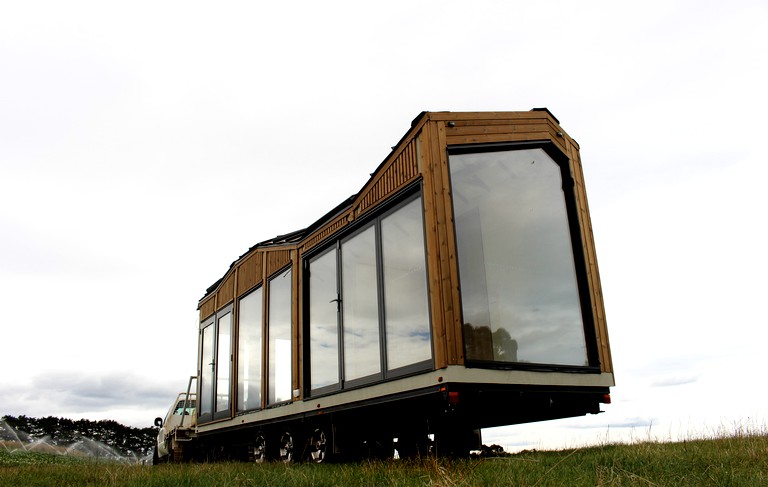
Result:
{"points": [[249, 352], [207, 362], [405, 287], [360, 306], [279, 333], [519, 292], [323, 312], [370, 288], [223, 361]]}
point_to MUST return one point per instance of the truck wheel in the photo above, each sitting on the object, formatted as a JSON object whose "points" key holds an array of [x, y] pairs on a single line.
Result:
{"points": [[318, 445], [155, 458], [178, 454], [285, 445], [260, 448]]}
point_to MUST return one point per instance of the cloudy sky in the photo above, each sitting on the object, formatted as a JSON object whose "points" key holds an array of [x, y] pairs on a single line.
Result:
{"points": [[145, 145]]}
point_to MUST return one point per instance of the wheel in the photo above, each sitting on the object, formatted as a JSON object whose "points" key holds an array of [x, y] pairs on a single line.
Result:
{"points": [[285, 445], [177, 453], [155, 457], [259, 448], [317, 446]]}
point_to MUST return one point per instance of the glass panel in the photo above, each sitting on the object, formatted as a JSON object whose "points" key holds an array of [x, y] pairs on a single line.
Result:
{"points": [[405, 287], [279, 338], [223, 362], [519, 292], [362, 356], [207, 360], [249, 352], [323, 321]]}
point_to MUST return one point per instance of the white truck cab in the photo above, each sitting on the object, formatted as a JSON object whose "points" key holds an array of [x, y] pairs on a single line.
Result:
{"points": [[177, 429]]}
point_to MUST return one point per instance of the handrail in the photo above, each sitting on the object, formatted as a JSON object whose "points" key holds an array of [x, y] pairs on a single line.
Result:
{"points": [[186, 399]]}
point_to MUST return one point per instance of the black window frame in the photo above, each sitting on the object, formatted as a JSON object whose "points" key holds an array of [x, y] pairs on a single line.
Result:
{"points": [[577, 247], [266, 338], [400, 199], [213, 320], [236, 366]]}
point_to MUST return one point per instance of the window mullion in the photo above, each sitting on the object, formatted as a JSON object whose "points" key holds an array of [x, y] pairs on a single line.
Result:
{"points": [[380, 295]]}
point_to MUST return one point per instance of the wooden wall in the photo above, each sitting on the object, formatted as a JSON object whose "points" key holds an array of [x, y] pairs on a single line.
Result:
{"points": [[593, 273]]}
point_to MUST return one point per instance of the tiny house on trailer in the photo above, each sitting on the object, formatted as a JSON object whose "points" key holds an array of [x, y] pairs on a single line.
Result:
{"points": [[457, 290]]}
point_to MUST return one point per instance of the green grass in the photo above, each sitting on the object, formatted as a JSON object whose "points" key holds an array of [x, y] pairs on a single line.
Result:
{"points": [[740, 459]]}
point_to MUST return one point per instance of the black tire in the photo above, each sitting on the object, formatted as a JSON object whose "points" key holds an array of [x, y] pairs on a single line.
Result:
{"points": [[285, 447], [259, 448], [318, 447]]}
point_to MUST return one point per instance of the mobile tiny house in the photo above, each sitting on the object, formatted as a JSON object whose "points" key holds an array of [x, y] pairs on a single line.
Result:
{"points": [[457, 290]]}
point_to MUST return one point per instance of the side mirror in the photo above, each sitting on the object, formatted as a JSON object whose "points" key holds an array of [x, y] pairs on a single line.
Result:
{"points": [[159, 422]]}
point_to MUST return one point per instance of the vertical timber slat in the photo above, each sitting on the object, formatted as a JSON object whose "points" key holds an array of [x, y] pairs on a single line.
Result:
{"points": [[449, 273], [433, 254], [593, 273]]}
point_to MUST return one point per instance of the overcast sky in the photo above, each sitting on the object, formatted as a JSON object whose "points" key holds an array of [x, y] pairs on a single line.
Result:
{"points": [[144, 146]]}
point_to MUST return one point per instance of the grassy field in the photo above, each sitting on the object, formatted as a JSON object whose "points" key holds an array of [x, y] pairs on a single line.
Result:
{"points": [[733, 460]]}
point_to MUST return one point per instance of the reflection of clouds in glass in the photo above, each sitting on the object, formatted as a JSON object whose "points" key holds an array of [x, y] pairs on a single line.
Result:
{"points": [[360, 305], [324, 353], [405, 287], [222, 362], [205, 401], [282, 370], [279, 323], [515, 255], [323, 335], [547, 335], [407, 345], [249, 352]]}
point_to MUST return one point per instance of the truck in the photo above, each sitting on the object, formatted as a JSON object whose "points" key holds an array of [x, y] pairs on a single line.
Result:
{"points": [[457, 290], [177, 429]]}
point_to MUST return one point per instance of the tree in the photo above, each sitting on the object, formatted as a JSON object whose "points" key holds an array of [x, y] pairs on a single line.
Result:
{"points": [[63, 432]]}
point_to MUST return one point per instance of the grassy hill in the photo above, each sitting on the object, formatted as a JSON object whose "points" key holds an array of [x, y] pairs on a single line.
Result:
{"points": [[740, 459]]}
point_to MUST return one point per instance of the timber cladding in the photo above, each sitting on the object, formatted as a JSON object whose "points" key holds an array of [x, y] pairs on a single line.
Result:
{"points": [[249, 273], [226, 292], [394, 176], [326, 231], [593, 273], [207, 307], [479, 128], [276, 260]]}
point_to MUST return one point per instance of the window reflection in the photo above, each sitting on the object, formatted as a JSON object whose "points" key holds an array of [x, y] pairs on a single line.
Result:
{"points": [[362, 355], [373, 282], [324, 328], [223, 362], [405, 287], [520, 297], [207, 360], [279, 338], [249, 352]]}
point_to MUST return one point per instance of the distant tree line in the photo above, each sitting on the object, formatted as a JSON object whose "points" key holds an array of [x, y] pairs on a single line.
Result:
{"points": [[63, 432]]}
